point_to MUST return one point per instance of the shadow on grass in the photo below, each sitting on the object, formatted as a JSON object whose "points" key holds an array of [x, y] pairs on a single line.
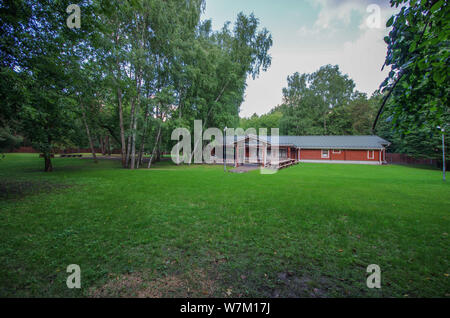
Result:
{"points": [[13, 189]]}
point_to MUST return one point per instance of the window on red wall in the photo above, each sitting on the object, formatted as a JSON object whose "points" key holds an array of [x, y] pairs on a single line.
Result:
{"points": [[338, 151], [370, 154], [325, 153]]}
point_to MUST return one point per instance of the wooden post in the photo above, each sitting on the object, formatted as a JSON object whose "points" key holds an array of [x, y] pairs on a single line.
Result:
{"points": [[236, 154]]}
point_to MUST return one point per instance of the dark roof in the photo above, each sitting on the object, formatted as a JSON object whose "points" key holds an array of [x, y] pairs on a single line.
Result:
{"points": [[325, 142]]}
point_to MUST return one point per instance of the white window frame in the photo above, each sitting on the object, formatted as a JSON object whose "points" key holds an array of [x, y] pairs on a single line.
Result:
{"points": [[337, 151], [327, 155], [373, 154]]}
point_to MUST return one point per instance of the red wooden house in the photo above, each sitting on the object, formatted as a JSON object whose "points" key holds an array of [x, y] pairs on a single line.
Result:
{"points": [[292, 149]]}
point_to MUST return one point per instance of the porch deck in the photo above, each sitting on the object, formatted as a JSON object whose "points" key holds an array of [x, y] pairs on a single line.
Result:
{"points": [[282, 163]]}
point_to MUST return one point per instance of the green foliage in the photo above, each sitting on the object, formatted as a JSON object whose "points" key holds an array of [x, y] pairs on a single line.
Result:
{"points": [[164, 63], [311, 100], [130, 67], [354, 118], [37, 70], [7, 140], [268, 121], [422, 142], [223, 61], [418, 54]]}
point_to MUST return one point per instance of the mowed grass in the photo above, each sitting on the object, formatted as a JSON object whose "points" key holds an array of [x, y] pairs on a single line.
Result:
{"points": [[307, 231]]}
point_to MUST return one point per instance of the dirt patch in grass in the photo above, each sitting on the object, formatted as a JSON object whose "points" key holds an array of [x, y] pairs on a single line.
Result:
{"points": [[13, 189], [197, 283], [292, 286]]}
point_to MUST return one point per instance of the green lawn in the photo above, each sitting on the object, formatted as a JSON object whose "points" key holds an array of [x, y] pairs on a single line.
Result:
{"points": [[309, 231]]}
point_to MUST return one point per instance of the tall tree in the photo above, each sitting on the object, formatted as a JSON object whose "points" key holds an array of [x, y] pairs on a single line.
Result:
{"points": [[309, 99], [41, 69]]}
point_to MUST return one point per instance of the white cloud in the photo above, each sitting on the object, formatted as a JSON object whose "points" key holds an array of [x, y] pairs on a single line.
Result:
{"points": [[332, 13], [335, 12], [361, 58]]}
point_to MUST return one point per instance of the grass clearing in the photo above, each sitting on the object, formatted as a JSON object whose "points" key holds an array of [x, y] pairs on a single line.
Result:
{"points": [[308, 231]]}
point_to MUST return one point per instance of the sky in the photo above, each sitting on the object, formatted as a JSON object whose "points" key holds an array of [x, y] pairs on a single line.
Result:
{"points": [[308, 34]]}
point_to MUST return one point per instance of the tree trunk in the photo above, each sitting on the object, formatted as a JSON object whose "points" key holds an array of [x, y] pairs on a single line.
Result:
{"points": [[108, 146], [119, 101], [127, 156], [138, 80], [158, 151], [130, 136], [140, 155], [122, 130], [143, 137], [206, 120], [91, 144], [134, 128], [155, 147], [48, 162], [102, 145]]}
